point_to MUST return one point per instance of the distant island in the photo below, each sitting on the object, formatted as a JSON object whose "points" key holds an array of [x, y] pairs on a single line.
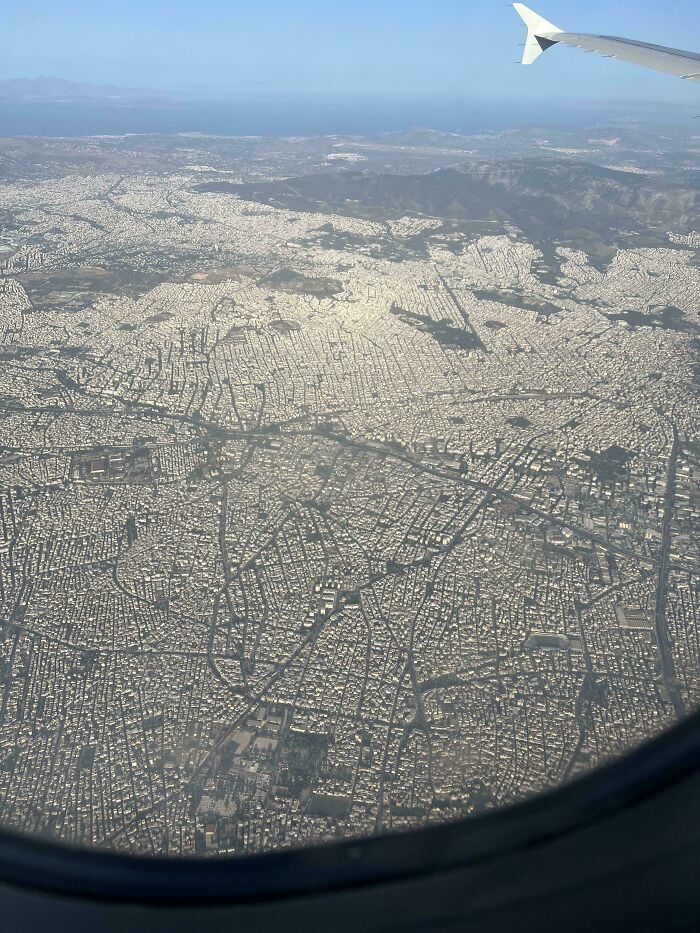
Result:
{"points": [[47, 89]]}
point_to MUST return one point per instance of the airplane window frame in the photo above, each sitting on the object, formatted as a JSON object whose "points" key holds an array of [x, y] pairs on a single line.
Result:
{"points": [[55, 867]]}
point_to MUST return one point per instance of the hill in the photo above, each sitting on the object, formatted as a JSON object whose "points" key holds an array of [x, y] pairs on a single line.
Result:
{"points": [[550, 200]]}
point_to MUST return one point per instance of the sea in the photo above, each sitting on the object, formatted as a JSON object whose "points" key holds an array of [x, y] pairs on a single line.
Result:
{"points": [[313, 115]]}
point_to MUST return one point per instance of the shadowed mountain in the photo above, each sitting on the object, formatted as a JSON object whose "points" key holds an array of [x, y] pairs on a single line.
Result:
{"points": [[548, 199]]}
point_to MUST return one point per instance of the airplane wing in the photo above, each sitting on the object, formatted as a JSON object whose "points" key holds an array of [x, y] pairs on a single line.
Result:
{"points": [[542, 34]]}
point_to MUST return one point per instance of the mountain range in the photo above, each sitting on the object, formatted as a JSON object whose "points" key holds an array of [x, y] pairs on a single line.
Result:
{"points": [[549, 199]]}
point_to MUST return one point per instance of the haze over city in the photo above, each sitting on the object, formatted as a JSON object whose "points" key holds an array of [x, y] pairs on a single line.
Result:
{"points": [[349, 461]]}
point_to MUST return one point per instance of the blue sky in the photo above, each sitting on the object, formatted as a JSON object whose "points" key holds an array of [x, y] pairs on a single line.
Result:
{"points": [[450, 47]]}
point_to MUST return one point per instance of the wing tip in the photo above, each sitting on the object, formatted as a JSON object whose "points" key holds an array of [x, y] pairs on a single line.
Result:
{"points": [[534, 22], [540, 33]]}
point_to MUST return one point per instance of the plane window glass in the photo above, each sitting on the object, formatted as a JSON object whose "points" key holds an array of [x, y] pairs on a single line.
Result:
{"points": [[349, 458]]}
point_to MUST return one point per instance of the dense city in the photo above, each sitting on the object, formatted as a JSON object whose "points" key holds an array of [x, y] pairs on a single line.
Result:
{"points": [[318, 522]]}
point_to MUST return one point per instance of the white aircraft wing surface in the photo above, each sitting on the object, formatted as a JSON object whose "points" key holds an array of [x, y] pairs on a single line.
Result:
{"points": [[542, 34]]}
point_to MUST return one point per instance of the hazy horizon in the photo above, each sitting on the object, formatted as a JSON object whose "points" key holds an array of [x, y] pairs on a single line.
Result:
{"points": [[309, 114], [443, 48]]}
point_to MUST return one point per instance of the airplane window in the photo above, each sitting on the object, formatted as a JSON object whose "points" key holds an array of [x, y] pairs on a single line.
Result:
{"points": [[349, 452]]}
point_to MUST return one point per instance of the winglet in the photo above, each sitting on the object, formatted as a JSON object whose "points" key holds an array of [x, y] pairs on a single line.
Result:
{"points": [[541, 34]]}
